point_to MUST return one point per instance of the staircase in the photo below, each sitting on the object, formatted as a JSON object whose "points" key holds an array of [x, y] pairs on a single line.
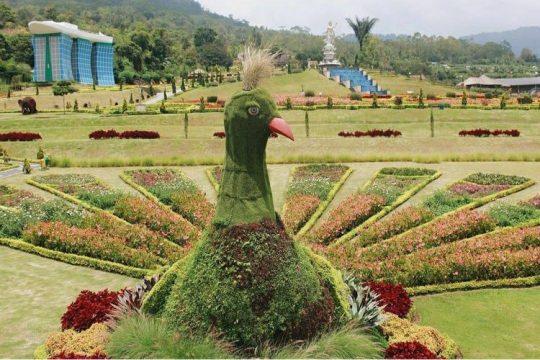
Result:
{"points": [[355, 79]]}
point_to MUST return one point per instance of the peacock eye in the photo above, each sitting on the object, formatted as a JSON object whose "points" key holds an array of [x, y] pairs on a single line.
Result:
{"points": [[253, 110]]}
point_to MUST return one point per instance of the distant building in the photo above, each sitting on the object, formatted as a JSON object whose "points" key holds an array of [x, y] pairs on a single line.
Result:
{"points": [[512, 84], [63, 52]]}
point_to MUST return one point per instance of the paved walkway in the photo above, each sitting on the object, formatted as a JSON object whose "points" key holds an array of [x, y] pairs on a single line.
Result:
{"points": [[159, 97], [16, 171]]}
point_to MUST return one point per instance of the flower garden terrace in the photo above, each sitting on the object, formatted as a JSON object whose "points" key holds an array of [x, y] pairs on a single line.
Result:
{"points": [[139, 221]]}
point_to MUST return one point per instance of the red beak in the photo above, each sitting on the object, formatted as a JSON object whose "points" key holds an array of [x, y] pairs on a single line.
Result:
{"points": [[279, 126]]}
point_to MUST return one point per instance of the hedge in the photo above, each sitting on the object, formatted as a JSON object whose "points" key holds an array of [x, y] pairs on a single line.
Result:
{"points": [[212, 179], [79, 260]]}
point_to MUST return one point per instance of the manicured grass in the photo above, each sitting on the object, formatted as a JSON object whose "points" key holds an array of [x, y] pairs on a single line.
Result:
{"points": [[285, 84], [499, 323], [36, 294], [66, 136], [399, 84]]}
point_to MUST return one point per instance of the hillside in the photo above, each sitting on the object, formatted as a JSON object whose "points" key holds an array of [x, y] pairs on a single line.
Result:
{"points": [[523, 37]]}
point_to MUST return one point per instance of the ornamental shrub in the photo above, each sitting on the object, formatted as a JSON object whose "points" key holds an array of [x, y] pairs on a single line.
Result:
{"points": [[355, 96], [40, 154], [19, 136], [409, 350], [398, 101], [309, 93], [87, 344], [393, 297], [288, 103], [212, 99], [89, 308], [27, 168]]}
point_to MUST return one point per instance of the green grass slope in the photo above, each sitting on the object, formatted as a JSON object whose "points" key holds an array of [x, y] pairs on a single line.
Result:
{"points": [[498, 323]]}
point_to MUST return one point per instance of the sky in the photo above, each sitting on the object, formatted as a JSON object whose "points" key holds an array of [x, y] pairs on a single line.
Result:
{"points": [[430, 17]]}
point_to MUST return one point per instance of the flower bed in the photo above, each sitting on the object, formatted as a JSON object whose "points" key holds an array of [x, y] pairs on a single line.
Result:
{"points": [[128, 134], [174, 188], [388, 188], [89, 189], [487, 133], [19, 136], [456, 226], [509, 253], [370, 133], [313, 184], [88, 242], [12, 197]]}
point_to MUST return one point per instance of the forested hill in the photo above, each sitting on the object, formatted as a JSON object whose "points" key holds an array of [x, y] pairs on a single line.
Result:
{"points": [[519, 39]]}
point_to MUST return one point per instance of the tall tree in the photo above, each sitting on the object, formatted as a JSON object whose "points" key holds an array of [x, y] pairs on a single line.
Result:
{"points": [[362, 28]]}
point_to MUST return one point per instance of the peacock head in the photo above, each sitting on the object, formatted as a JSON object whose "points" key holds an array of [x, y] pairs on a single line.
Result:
{"points": [[251, 116]]}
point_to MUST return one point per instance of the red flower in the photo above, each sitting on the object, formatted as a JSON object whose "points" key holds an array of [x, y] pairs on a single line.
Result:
{"points": [[89, 308], [371, 133], [19, 136], [409, 350], [393, 296]]}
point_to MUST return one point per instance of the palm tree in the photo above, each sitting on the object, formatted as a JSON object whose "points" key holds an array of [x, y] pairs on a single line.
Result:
{"points": [[362, 28]]}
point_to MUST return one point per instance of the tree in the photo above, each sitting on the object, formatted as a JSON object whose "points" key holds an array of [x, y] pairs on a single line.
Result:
{"points": [[464, 99], [173, 85], [6, 15], [502, 105], [75, 106], [62, 88], [124, 106], [432, 123], [186, 123], [375, 103], [27, 168], [203, 36], [21, 49], [306, 123], [165, 94], [37, 90], [40, 154], [212, 54], [527, 55], [421, 99], [9, 92], [131, 98], [362, 28], [183, 85]]}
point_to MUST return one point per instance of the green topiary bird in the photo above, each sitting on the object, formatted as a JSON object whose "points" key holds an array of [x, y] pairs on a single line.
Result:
{"points": [[246, 278]]}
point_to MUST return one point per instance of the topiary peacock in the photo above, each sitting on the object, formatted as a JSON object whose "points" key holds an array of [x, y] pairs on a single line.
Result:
{"points": [[246, 278]]}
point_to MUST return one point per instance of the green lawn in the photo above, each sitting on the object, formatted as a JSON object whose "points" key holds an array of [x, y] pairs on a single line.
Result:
{"points": [[67, 136], [281, 84], [35, 295], [399, 84], [499, 323]]}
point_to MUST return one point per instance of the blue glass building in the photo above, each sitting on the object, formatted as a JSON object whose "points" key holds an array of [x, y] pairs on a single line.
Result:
{"points": [[63, 52]]}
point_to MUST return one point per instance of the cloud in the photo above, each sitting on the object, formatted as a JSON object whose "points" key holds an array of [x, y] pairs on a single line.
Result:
{"points": [[431, 17]]}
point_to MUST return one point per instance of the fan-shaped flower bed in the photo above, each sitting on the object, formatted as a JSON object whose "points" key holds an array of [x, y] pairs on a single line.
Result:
{"points": [[19, 136], [174, 188], [315, 185], [371, 133]]}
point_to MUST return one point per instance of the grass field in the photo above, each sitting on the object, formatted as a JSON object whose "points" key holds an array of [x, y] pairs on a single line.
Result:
{"points": [[292, 84], [39, 290], [399, 84], [498, 323], [66, 136]]}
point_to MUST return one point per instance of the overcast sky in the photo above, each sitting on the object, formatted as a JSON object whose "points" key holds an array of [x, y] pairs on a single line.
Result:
{"points": [[432, 17]]}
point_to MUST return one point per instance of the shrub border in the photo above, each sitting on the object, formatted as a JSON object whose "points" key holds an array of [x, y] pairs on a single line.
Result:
{"points": [[389, 208], [8, 167], [78, 260], [323, 205], [521, 282]]}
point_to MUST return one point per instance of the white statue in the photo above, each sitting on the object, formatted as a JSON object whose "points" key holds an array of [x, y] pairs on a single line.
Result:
{"points": [[329, 49]]}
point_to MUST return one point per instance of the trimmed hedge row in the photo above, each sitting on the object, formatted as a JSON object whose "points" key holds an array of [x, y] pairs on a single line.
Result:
{"points": [[19, 136], [79, 260], [487, 133], [371, 133], [128, 134]]}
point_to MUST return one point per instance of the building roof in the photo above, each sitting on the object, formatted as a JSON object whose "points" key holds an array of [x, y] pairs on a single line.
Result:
{"points": [[73, 31], [508, 82]]}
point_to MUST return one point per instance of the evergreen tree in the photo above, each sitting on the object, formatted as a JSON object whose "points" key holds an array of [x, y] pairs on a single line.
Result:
{"points": [[182, 85], [186, 123], [192, 81], [37, 90], [421, 99], [151, 89], [201, 103], [94, 86], [131, 98], [375, 103], [142, 94], [503, 101], [162, 108], [330, 103], [124, 106], [27, 168], [432, 123], [6, 156], [306, 122], [75, 106], [98, 110], [288, 104], [173, 85], [40, 154], [464, 99], [121, 85], [165, 94], [9, 92]]}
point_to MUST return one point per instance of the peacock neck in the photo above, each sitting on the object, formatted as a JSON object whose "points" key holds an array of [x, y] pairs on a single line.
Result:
{"points": [[245, 196]]}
